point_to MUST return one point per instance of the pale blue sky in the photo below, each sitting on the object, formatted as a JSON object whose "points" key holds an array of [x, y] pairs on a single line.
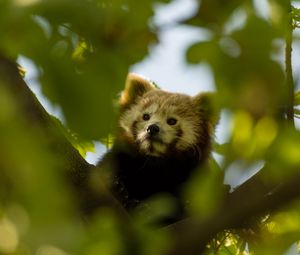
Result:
{"points": [[166, 63]]}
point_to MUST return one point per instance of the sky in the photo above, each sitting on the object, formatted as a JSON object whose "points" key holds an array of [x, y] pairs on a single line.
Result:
{"points": [[168, 58]]}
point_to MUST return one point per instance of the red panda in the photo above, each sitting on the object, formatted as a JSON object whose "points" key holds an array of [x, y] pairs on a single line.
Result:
{"points": [[162, 139]]}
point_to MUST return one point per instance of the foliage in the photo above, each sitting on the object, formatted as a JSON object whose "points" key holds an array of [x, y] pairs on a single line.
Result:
{"points": [[81, 145], [83, 50]]}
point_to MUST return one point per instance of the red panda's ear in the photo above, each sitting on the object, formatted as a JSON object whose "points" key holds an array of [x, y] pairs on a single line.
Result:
{"points": [[135, 87], [207, 104]]}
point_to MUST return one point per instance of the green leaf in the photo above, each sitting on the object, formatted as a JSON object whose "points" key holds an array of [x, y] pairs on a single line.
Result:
{"points": [[213, 13], [108, 141], [83, 146], [206, 51], [295, 14], [297, 99], [297, 111], [221, 148]]}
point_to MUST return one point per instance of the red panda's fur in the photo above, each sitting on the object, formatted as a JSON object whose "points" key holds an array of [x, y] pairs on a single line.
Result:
{"points": [[143, 164]]}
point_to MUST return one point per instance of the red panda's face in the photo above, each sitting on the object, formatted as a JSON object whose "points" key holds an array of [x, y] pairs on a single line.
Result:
{"points": [[159, 122]]}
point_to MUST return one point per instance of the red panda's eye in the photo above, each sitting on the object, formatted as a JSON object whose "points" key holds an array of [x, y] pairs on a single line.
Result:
{"points": [[171, 121], [146, 116]]}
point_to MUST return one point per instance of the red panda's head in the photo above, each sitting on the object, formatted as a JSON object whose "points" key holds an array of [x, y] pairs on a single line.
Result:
{"points": [[160, 122]]}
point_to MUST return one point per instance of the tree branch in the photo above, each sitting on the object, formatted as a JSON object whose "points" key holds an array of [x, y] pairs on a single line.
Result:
{"points": [[254, 198], [288, 66], [78, 171]]}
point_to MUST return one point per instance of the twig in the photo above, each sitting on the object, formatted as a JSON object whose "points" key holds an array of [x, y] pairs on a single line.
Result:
{"points": [[288, 66]]}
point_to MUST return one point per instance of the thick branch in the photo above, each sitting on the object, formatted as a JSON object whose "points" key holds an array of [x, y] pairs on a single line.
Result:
{"points": [[78, 171], [252, 199]]}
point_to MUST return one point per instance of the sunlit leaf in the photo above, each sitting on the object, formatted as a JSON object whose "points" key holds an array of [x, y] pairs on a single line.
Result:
{"points": [[297, 113], [104, 235], [297, 98], [204, 191], [83, 146], [284, 155], [296, 16], [9, 236]]}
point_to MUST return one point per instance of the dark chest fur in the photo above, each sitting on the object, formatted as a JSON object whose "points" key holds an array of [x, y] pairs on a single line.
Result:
{"points": [[137, 177]]}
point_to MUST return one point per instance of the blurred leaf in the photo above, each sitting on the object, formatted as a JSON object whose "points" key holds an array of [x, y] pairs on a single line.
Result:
{"points": [[250, 139], [31, 183], [213, 13], [285, 222], [22, 71], [105, 235], [83, 146], [204, 191], [155, 209], [82, 65], [296, 17], [283, 157], [280, 231], [80, 51], [297, 113], [108, 141], [221, 148], [237, 71], [296, 13], [203, 51], [297, 98], [153, 241], [251, 47], [228, 242], [9, 236]]}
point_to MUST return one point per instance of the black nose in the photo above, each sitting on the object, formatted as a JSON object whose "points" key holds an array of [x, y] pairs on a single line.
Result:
{"points": [[152, 130]]}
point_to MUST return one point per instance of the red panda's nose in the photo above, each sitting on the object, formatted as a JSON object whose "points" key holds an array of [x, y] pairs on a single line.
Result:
{"points": [[152, 130]]}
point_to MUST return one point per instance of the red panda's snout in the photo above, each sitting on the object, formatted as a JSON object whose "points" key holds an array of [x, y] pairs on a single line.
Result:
{"points": [[152, 130], [152, 138]]}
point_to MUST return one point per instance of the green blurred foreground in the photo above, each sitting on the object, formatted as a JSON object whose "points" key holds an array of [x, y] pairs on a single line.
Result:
{"points": [[82, 50]]}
